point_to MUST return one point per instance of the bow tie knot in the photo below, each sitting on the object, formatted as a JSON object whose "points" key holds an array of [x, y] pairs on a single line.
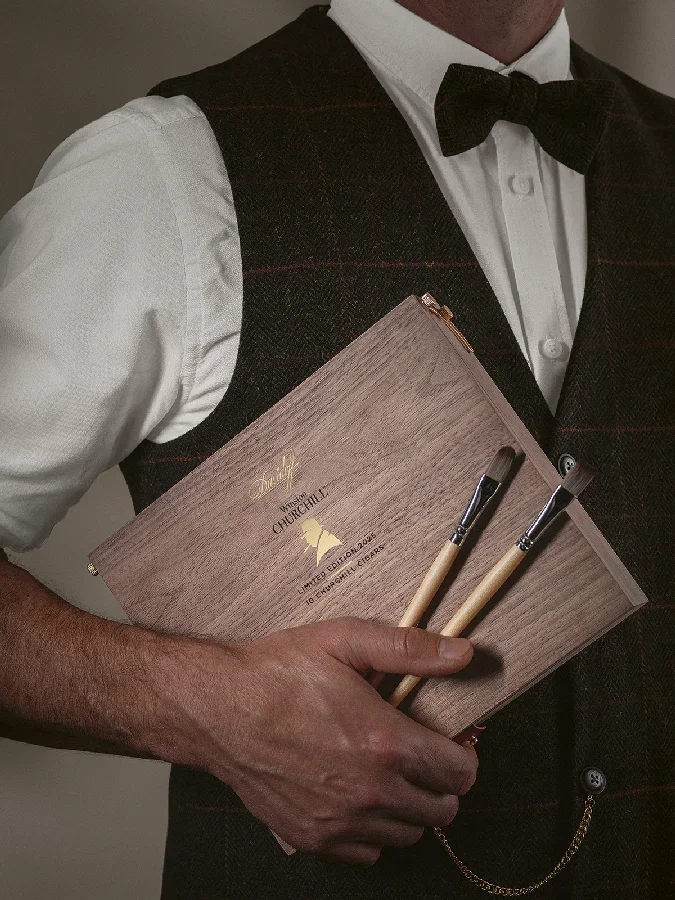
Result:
{"points": [[568, 118], [521, 99]]}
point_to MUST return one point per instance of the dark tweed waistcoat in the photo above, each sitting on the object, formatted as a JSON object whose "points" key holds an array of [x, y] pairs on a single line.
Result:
{"points": [[340, 219]]}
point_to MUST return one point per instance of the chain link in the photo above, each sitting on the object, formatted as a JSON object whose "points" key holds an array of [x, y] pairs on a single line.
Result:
{"points": [[518, 892]]}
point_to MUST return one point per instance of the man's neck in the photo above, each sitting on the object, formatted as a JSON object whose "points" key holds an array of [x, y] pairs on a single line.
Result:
{"points": [[504, 29]]}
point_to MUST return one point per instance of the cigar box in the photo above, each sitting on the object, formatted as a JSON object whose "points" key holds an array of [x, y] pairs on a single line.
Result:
{"points": [[336, 501]]}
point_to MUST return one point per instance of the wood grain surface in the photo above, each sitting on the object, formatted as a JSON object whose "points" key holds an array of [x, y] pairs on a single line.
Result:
{"points": [[389, 439]]}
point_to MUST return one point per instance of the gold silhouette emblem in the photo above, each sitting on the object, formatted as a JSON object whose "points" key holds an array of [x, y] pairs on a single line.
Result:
{"points": [[316, 535]]}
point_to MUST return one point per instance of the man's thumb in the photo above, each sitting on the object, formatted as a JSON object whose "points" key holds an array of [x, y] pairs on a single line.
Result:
{"points": [[367, 646]]}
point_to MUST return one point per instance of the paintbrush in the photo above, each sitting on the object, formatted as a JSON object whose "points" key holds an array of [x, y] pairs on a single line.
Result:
{"points": [[486, 488], [578, 478]]}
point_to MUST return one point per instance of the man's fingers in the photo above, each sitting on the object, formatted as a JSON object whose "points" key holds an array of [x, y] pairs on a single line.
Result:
{"points": [[436, 762], [370, 837], [356, 853], [420, 806], [367, 646], [390, 832]]}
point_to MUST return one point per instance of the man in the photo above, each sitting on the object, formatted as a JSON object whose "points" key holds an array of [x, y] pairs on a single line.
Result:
{"points": [[199, 245]]}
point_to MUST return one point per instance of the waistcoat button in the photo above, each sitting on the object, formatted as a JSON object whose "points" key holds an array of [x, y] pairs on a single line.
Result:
{"points": [[566, 463], [593, 780]]}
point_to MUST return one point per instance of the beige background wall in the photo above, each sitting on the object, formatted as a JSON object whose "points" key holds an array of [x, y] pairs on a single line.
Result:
{"points": [[80, 826]]}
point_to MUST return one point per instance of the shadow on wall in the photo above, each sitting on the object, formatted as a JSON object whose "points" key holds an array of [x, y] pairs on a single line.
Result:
{"points": [[635, 36], [73, 61], [80, 826]]}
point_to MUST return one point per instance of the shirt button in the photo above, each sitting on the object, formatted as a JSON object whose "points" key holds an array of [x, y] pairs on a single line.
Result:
{"points": [[593, 780], [552, 348], [566, 463], [521, 184]]}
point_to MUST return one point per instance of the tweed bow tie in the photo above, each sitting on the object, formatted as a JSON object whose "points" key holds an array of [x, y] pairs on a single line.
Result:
{"points": [[568, 118]]}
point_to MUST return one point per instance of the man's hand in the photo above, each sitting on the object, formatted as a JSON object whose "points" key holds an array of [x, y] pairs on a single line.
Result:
{"points": [[292, 725], [288, 721]]}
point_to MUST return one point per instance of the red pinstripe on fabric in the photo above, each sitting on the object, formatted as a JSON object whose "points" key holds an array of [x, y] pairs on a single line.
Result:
{"points": [[635, 262], [291, 267], [524, 807], [569, 429], [632, 118], [163, 459], [301, 109]]}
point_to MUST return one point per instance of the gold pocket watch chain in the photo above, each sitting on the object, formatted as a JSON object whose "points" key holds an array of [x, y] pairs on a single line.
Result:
{"points": [[518, 892]]}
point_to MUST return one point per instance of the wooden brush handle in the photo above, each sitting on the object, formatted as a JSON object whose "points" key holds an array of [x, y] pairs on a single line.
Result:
{"points": [[484, 592], [403, 688], [430, 584], [425, 593], [473, 604]]}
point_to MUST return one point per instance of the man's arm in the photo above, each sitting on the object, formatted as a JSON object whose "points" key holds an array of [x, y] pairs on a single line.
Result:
{"points": [[16, 730], [48, 690], [57, 740], [287, 721]]}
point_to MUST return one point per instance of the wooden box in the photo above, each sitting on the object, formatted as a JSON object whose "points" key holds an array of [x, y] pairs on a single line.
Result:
{"points": [[337, 500]]}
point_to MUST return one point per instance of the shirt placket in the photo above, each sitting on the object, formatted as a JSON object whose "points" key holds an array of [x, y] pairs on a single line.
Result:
{"points": [[540, 297]]}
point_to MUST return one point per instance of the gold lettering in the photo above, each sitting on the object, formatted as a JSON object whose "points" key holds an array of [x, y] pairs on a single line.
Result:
{"points": [[285, 473]]}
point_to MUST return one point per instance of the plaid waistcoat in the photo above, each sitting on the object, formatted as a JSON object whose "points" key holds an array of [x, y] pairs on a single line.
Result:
{"points": [[340, 218]]}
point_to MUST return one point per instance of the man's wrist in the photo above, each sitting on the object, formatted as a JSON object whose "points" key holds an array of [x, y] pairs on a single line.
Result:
{"points": [[191, 685]]}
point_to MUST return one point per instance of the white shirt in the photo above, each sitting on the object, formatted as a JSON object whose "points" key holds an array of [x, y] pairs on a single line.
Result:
{"points": [[120, 271]]}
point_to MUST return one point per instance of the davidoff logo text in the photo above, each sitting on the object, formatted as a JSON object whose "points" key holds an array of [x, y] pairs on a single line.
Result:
{"points": [[284, 474]]}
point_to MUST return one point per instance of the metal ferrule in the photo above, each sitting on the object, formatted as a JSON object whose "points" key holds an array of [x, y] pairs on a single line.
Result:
{"points": [[560, 500], [485, 489]]}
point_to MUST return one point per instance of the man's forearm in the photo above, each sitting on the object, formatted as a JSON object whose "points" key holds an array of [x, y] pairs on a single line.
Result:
{"points": [[70, 679], [287, 720], [61, 740]]}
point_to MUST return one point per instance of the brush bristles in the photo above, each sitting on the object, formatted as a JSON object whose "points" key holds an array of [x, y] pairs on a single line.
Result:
{"points": [[500, 465], [578, 478]]}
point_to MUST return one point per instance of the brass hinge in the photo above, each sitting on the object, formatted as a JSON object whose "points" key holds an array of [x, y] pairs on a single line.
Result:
{"points": [[444, 313]]}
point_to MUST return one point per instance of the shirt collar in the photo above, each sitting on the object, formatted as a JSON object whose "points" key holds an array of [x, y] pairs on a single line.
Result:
{"points": [[418, 53]]}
